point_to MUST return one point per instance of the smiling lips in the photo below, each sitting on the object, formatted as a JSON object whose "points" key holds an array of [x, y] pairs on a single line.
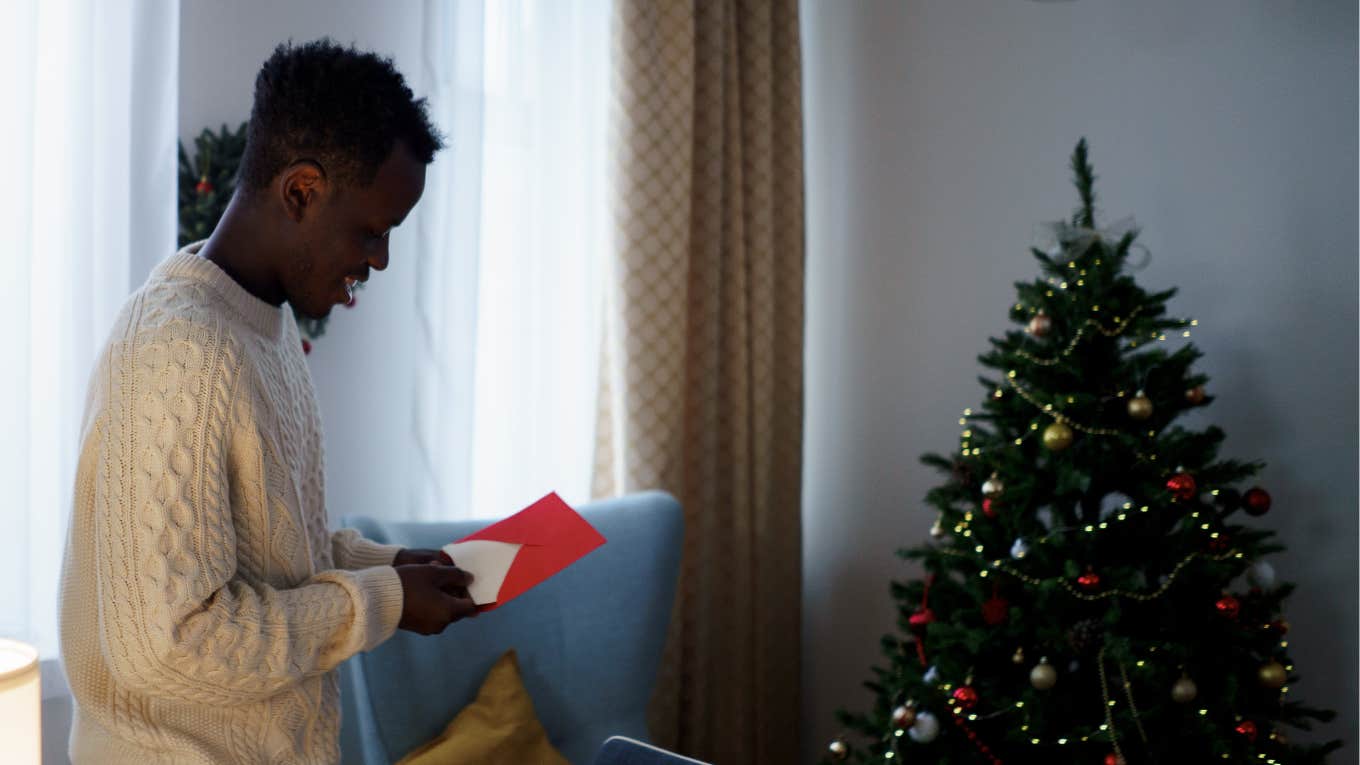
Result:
{"points": [[350, 281]]}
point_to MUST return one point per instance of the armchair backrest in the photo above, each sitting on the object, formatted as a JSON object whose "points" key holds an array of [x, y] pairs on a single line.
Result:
{"points": [[589, 640]]}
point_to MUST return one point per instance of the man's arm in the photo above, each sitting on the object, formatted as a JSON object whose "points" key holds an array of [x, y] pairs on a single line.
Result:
{"points": [[351, 550], [174, 618]]}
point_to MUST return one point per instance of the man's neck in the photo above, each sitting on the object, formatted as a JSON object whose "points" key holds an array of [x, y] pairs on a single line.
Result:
{"points": [[236, 247]]}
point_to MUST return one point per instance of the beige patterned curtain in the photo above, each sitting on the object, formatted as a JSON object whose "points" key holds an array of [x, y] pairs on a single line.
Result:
{"points": [[702, 377]]}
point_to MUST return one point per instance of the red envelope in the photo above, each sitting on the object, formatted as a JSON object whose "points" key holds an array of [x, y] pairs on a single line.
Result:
{"points": [[553, 536]]}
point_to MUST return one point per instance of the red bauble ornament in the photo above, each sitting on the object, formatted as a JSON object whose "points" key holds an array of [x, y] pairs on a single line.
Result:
{"points": [[1182, 486], [203, 187], [989, 507], [1228, 607], [306, 346], [1281, 626], [965, 697], [1246, 729], [995, 610], [920, 620], [1256, 501], [1114, 759], [1220, 543], [1089, 581]]}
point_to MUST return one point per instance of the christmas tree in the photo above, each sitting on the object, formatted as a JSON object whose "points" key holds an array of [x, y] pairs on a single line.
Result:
{"points": [[206, 184], [207, 181], [1091, 593]]}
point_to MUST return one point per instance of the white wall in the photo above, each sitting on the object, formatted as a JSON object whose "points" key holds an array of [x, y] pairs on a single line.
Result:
{"points": [[938, 135], [363, 365]]}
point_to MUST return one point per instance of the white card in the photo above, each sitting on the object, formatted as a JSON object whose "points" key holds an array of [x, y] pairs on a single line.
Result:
{"points": [[488, 562]]}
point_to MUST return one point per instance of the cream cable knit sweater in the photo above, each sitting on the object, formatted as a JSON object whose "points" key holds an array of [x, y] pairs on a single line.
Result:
{"points": [[204, 603]]}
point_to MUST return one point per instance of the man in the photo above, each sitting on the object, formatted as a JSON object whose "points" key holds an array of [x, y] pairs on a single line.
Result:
{"points": [[205, 605]]}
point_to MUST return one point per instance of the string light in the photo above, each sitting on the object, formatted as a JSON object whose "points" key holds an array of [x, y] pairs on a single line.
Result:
{"points": [[1120, 326], [1092, 597], [1057, 415]]}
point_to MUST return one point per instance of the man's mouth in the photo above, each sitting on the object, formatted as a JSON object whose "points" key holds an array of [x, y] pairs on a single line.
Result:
{"points": [[350, 281]]}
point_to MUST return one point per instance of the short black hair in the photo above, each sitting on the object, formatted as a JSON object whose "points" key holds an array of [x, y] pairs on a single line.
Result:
{"points": [[336, 105]]}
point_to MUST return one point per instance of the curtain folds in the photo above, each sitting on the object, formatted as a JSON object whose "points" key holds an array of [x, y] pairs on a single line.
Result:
{"points": [[701, 373], [510, 240], [87, 141]]}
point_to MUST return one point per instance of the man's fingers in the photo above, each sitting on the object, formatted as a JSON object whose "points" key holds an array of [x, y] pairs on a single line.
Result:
{"points": [[460, 608], [453, 577]]}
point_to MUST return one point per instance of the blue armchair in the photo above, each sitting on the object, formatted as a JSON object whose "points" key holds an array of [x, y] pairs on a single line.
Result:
{"points": [[589, 641]]}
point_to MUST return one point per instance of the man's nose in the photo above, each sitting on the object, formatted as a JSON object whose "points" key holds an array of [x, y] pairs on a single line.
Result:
{"points": [[378, 262]]}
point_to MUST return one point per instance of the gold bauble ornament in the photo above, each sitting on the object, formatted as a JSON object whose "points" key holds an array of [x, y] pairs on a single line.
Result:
{"points": [[1140, 406], [1043, 676], [1184, 690], [992, 487], [1040, 324], [1272, 675], [1195, 395], [1058, 436], [838, 749], [1018, 657], [904, 716]]}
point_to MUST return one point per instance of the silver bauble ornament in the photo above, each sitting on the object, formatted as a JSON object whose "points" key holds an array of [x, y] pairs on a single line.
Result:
{"points": [[932, 676], [838, 749], [937, 530], [1184, 690], [1262, 574], [925, 729], [1043, 676], [992, 487], [1019, 549]]}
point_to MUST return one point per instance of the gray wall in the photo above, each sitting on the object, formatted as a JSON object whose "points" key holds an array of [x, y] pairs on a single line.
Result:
{"points": [[937, 137]]}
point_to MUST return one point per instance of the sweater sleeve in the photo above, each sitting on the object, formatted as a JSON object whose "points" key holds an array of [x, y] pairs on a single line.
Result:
{"points": [[174, 617], [351, 550]]}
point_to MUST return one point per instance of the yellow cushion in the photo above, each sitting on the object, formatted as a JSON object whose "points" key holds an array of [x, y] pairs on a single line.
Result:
{"points": [[499, 728]]}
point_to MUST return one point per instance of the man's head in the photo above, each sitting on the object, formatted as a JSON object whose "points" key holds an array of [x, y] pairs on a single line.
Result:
{"points": [[335, 157]]}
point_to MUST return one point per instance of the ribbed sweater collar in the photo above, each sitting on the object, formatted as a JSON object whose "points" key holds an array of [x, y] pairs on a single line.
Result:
{"points": [[187, 264]]}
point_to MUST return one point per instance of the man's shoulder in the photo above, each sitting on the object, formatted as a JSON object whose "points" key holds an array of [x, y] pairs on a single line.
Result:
{"points": [[175, 323]]}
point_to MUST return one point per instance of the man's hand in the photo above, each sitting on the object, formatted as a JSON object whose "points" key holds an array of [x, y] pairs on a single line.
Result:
{"points": [[433, 597], [412, 557]]}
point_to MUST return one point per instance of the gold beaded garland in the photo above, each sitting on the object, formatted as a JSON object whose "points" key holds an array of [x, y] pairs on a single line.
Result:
{"points": [[1081, 332]]}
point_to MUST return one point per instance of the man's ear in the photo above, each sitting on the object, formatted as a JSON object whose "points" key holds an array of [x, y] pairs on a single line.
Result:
{"points": [[301, 185]]}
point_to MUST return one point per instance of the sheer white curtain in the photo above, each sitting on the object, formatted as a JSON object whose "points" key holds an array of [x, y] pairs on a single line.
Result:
{"points": [[511, 237], [87, 206]]}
